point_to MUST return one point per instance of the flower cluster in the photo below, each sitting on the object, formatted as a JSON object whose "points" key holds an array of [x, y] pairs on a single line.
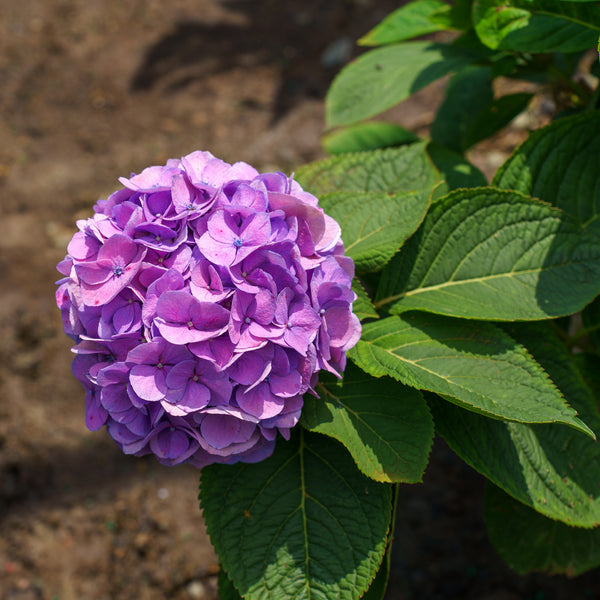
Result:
{"points": [[204, 298]]}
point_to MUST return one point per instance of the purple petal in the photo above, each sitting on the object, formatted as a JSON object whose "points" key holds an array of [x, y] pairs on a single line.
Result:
{"points": [[95, 273], [114, 398], [287, 385], [219, 430], [83, 246], [222, 228], [216, 252], [148, 382], [150, 179], [180, 374], [256, 230], [196, 396], [259, 401], [95, 413], [119, 246], [170, 443], [220, 389]]}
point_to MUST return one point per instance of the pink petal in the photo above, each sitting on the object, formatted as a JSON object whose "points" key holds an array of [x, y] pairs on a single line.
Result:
{"points": [[148, 382], [259, 402]]}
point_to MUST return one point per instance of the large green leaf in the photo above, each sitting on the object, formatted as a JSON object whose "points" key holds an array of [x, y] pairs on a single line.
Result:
{"points": [[591, 323], [304, 523], [363, 305], [545, 341], [409, 21], [385, 425], [455, 171], [536, 25], [527, 541], [470, 113], [467, 94], [587, 365], [371, 135], [558, 165], [381, 78], [492, 254], [496, 115], [393, 170], [545, 466], [548, 467], [375, 224], [227, 590], [379, 585], [475, 364]]}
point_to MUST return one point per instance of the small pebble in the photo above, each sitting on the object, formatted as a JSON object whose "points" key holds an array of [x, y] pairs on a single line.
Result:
{"points": [[196, 590]]}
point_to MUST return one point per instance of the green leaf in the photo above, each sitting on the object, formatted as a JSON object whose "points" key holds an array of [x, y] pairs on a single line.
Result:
{"points": [[496, 115], [381, 78], [367, 136], [385, 425], [227, 590], [363, 306], [587, 365], [455, 170], [548, 467], [375, 224], [379, 585], [591, 322], [527, 541], [470, 113], [378, 588], [536, 25], [557, 164], [545, 341], [491, 254], [304, 523], [457, 16], [467, 94], [530, 462], [393, 170], [409, 21], [474, 364]]}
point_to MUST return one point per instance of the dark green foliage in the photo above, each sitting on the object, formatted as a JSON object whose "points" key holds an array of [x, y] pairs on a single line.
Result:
{"points": [[453, 275]]}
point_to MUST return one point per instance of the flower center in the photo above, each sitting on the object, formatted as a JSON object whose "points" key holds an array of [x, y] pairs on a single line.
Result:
{"points": [[190, 323], [238, 242], [118, 271], [195, 378]]}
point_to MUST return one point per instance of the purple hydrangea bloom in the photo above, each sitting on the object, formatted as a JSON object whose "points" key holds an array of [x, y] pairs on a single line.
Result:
{"points": [[204, 298]]}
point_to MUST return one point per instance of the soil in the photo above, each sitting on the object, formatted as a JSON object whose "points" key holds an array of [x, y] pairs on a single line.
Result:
{"points": [[95, 90]]}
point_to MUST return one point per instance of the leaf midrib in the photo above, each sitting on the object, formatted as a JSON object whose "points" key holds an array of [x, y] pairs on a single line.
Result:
{"points": [[482, 279], [367, 426], [451, 383]]}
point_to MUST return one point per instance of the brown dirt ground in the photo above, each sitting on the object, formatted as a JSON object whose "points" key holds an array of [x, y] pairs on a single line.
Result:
{"points": [[94, 90]]}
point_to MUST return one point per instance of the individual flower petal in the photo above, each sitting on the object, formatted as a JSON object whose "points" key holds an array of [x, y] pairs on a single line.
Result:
{"points": [[182, 319]]}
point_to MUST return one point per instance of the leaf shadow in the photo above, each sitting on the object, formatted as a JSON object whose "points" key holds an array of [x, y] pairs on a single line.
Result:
{"points": [[291, 38]]}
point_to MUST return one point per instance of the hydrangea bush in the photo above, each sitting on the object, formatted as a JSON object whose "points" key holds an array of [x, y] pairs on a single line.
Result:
{"points": [[204, 299], [213, 306]]}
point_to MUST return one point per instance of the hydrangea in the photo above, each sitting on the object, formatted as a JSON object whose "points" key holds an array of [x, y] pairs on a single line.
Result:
{"points": [[204, 298]]}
